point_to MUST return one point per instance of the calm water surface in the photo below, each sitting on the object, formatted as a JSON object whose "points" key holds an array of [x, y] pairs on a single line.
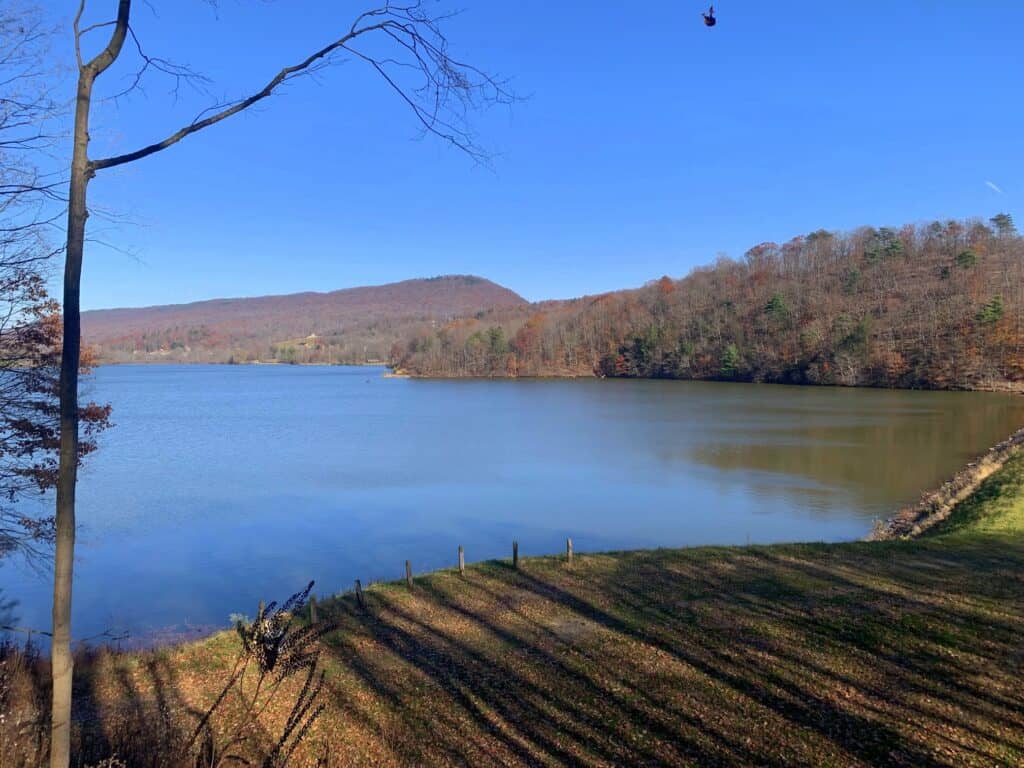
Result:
{"points": [[220, 485]]}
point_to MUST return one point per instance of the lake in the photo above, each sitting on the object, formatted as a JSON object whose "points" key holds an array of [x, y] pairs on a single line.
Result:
{"points": [[220, 486]]}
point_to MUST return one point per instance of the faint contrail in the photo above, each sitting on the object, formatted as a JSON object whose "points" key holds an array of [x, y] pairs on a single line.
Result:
{"points": [[992, 186]]}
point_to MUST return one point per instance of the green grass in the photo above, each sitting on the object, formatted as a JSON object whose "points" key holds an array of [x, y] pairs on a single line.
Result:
{"points": [[996, 509], [903, 653]]}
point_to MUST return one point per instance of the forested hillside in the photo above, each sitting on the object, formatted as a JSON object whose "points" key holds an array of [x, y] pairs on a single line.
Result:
{"points": [[355, 325], [937, 306]]}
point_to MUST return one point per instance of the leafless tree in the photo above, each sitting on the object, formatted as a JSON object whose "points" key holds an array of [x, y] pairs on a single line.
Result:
{"points": [[403, 42], [29, 320], [26, 112], [24, 109]]}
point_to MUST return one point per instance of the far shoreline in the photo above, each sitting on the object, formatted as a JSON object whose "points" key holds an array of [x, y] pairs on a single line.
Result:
{"points": [[252, 363], [998, 387]]}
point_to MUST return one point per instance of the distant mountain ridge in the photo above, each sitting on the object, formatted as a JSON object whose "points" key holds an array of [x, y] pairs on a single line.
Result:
{"points": [[351, 325]]}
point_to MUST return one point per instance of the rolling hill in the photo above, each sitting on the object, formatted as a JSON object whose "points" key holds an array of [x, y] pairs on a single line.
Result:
{"points": [[354, 325], [937, 305]]}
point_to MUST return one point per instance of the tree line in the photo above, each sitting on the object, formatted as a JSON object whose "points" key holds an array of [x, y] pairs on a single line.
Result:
{"points": [[938, 306]]}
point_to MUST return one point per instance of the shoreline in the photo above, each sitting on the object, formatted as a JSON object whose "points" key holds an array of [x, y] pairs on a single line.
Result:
{"points": [[937, 504], [157, 363], [999, 387], [393, 372], [909, 522], [933, 506], [628, 658]]}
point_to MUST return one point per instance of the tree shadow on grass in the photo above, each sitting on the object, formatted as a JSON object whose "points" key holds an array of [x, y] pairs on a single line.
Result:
{"points": [[793, 655], [138, 715], [768, 657], [766, 646]]}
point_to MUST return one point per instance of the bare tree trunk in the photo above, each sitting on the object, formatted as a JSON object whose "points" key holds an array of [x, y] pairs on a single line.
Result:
{"points": [[61, 660], [62, 664], [418, 35]]}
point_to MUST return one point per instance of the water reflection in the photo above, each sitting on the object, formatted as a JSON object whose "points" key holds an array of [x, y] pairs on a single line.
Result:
{"points": [[880, 450]]}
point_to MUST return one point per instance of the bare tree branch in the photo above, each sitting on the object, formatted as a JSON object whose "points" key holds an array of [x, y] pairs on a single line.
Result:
{"points": [[78, 33], [180, 74], [443, 90], [102, 61]]}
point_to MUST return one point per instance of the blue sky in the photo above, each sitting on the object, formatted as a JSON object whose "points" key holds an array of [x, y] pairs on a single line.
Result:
{"points": [[647, 144]]}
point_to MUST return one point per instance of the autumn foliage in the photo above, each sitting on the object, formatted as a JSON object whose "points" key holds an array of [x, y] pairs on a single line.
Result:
{"points": [[30, 344], [933, 306]]}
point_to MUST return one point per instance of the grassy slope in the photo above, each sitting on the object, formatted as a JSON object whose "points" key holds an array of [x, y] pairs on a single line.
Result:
{"points": [[896, 653]]}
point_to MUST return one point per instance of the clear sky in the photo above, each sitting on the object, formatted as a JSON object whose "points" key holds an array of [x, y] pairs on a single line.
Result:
{"points": [[647, 144]]}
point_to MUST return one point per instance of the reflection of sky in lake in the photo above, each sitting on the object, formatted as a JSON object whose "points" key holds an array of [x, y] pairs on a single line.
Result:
{"points": [[223, 485]]}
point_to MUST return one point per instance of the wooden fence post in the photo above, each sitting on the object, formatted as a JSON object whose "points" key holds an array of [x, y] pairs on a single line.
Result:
{"points": [[408, 574], [359, 595], [568, 550], [515, 554], [462, 561], [312, 609]]}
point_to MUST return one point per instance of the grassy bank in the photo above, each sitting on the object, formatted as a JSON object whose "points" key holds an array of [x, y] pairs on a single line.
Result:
{"points": [[937, 505], [884, 653]]}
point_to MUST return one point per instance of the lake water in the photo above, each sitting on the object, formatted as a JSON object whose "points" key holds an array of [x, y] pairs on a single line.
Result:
{"points": [[220, 486]]}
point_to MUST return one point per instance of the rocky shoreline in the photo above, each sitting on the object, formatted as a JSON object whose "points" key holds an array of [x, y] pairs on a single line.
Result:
{"points": [[936, 505]]}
